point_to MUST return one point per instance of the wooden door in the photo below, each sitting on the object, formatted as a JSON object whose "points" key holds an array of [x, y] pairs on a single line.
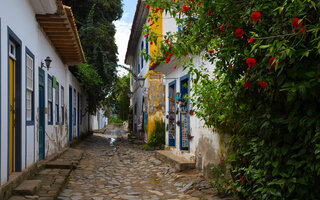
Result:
{"points": [[41, 114], [12, 69]]}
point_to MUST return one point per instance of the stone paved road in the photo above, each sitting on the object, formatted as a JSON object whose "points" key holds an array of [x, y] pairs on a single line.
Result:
{"points": [[123, 171]]}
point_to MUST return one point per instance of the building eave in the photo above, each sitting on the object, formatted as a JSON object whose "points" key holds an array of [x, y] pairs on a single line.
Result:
{"points": [[140, 17], [62, 32]]}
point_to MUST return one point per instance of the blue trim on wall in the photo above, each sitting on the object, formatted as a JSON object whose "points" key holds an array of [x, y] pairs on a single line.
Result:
{"points": [[58, 109], [51, 113], [62, 105], [75, 107], [175, 110], [183, 78], [70, 113], [147, 50], [31, 122], [141, 57], [18, 97]]}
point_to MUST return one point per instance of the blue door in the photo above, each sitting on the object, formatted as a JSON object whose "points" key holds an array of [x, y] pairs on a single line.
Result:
{"points": [[184, 113], [172, 114], [70, 113], [41, 114]]}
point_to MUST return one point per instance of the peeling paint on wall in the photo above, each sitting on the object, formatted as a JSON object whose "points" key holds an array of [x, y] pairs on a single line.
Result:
{"points": [[155, 107]]}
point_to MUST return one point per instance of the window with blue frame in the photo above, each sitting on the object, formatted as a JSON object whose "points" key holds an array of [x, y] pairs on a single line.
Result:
{"points": [[138, 68], [29, 87], [50, 100], [74, 107], [57, 103], [147, 49], [62, 105], [141, 57]]}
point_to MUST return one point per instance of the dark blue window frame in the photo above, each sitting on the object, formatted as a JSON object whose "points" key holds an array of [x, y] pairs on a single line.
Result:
{"points": [[57, 104], [75, 107], [147, 50], [62, 105], [30, 122], [51, 108], [141, 57]]}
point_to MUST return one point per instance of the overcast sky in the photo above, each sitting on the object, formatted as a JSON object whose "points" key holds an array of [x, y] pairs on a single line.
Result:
{"points": [[123, 27]]}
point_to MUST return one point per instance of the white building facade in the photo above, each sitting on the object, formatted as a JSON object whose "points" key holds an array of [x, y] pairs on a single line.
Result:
{"points": [[186, 134], [41, 109]]}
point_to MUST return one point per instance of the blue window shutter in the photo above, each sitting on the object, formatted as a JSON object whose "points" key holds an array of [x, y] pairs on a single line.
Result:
{"points": [[147, 49], [138, 68], [142, 45]]}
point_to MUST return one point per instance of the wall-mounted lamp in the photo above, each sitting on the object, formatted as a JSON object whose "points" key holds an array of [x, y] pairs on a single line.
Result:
{"points": [[141, 81], [130, 94], [47, 62]]}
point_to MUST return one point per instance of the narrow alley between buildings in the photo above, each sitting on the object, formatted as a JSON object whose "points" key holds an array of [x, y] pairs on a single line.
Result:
{"points": [[118, 169]]}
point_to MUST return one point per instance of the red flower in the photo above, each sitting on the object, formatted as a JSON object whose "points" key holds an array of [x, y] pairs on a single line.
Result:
{"points": [[146, 35], [273, 64], [148, 19], [211, 51], [185, 8], [147, 6], [186, 53], [301, 31], [230, 67], [167, 116], [263, 84], [191, 113], [246, 84], [255, 16], [168, 59], [175, 67], [221, 28], [251, 62], [107, 52], [241, 179], [229, 184], [250, 41], [239, 32], [234, 190], [166, 41], [295, 23], [151, 43], [209, 118], [199, 4], [195, 82], [217, 77], [170, 45]]}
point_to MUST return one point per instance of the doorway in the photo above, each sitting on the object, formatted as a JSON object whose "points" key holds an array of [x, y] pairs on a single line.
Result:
{"points": [[41, 114], [70, 113], [184, 113], [14, 103], [172, 114]]}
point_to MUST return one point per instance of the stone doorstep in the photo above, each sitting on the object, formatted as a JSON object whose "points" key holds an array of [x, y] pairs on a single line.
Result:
{"points": [[59, 165], [7, 188], [27, 187], [176, 161]]}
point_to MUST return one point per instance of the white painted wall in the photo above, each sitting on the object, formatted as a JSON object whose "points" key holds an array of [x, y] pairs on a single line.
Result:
{"points": [[137, 97], [204, 146], [20, 17]]}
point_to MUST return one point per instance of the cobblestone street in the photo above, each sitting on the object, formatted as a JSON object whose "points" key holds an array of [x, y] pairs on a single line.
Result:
{"points": [[113, 169]]}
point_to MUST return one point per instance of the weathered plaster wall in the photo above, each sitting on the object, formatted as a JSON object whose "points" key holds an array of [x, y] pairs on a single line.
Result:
{"points": [[155, 100]]}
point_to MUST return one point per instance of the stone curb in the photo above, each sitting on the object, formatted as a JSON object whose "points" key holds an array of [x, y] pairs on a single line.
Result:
{"points": [[17, 178]]}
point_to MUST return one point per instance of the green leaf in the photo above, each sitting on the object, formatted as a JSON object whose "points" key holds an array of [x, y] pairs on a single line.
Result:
{"points": [[264, 46]]}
